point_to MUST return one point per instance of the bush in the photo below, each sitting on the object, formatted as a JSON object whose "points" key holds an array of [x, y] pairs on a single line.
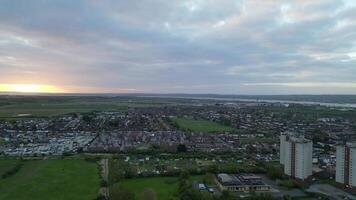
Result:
{"points": [[12, 171], [290, 183], [274, 172], [103, 183], [100, 197]]}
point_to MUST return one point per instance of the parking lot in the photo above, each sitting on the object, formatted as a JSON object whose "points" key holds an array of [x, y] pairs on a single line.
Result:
{"points": [[330, 191]]}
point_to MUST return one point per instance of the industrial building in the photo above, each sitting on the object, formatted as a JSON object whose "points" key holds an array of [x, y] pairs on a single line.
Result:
{"points": [[241, 183]]}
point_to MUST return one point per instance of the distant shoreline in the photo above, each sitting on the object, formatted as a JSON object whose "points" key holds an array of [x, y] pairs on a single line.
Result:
{"points": [[346, 101], [344, 105]]}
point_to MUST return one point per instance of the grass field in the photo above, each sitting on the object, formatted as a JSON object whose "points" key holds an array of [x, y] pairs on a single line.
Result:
{"points": [[51, 180], [164, 187], [201, 125], [52, 106]]}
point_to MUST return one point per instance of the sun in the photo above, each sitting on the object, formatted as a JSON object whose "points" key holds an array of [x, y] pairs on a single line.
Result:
{"points": [[29, 88]]}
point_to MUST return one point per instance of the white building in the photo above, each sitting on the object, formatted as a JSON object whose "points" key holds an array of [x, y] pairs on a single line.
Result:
{"points": [[346, 164], [297, 156]]}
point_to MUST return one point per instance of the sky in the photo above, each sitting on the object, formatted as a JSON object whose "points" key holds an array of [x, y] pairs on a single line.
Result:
{"points": [[178, 46]]}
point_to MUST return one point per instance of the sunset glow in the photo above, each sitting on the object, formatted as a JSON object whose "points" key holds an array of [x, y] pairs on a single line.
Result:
{"points": [[189, 46], [29, 88]]}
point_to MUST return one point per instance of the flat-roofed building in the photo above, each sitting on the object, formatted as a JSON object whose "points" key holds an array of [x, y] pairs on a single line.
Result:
{"points": [[241, 183]]}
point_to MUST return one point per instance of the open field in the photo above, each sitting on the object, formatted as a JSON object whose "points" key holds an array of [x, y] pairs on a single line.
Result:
{"points": [[51, 180], [163, 187], [201, 125], [28, 106], [47, 110]]}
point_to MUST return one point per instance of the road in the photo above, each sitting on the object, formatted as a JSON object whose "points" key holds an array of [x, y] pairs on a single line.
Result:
{"points": [[104, 163], [330, 191]]}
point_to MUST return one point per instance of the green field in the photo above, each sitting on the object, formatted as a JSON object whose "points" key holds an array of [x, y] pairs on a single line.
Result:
{"points": [[51, 180], [201, 125], [164, 187], [25, 107], [47, 110]]}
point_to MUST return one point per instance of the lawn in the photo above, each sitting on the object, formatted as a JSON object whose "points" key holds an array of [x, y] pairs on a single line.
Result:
{"points": [[52, 180], [201, 125], [164, 187]]}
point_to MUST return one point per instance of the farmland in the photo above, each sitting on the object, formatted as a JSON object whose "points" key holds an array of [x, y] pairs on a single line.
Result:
{"points": [[50, 179], [28, 107]]}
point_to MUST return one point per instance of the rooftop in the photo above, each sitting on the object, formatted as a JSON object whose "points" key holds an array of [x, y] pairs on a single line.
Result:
{"points": [[239, 179]]}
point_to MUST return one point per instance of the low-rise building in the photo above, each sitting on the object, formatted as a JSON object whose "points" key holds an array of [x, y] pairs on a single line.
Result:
{"points": [[241, 183]]}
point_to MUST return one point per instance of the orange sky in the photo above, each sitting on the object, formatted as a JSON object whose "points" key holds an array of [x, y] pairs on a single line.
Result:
{"points": [[39, 88]]}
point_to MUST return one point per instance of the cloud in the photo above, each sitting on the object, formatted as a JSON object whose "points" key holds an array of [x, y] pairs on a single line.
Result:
{"points": [[307, 84], [213, 46]]}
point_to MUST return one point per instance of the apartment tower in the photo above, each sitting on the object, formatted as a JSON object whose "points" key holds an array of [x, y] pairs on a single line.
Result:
{"points": [[346, 164], [296, 155]]}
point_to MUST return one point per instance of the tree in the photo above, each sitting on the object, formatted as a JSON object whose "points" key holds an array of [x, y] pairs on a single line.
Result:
{"points": [[184, 182], [206, 196], [213, 169], [208, 178], [181, 148], [87, 118], [274, 172], [184, 175], [191, 194], [226, 195]]}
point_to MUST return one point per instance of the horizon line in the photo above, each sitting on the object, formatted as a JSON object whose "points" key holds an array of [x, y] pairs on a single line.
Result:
{"points": [[157, 93]]}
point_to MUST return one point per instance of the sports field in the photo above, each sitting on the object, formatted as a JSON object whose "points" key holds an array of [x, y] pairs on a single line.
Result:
{"points": [[51, 180], [195, 125]]}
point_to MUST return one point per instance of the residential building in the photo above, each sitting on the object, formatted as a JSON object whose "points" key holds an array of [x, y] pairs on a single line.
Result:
{"points": [[346, 164], [297, 156], [283, 138]]}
